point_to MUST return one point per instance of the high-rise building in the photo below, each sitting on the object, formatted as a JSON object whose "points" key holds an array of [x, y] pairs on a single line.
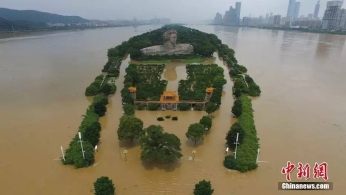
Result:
{"points": [[246, 21], [310, 16], [342, 19], [238, 9], [218, 19], [271, 18], [296, 10], [331, 15], [277, 19], [267, 18], [291, 7], [317, 9]]}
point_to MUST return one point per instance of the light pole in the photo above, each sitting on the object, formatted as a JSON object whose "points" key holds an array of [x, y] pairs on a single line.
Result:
{"points": [[258, 151], [125, 152], [62, 151], [193, 154], [236, 146], [81, 144]]}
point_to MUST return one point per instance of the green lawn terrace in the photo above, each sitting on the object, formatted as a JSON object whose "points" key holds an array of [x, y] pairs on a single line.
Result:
{"points": [[204, 83], [147, 81], [144, 88]]}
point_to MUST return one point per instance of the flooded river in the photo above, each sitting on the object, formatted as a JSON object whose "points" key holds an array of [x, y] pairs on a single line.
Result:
{"points": [[300, 116]]}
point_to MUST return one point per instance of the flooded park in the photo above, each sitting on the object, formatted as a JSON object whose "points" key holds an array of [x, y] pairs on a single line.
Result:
{"points": [[299, 117]]}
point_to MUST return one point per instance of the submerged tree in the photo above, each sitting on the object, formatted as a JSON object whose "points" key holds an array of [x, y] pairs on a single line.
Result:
{"points": [[206, 122], [130, 128], [203, 188], [195, 132], [104, 186], [157, 145], [231, 136], [237, 108], [210, 108], [129, 109]]}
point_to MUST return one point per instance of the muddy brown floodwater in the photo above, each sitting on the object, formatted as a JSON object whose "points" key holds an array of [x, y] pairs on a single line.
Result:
{"points": [[300, 116]]}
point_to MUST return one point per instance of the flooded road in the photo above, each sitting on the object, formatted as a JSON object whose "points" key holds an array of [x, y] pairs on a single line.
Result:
{"points": [[300, 116]]}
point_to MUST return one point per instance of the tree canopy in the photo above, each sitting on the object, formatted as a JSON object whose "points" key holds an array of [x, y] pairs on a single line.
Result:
{"points": [[129, 109], [158, 145], [104, 186], [130, 128], [237, 108], [210, 107], [195, 132], [231, 136], [203, 188], [206, 122]]}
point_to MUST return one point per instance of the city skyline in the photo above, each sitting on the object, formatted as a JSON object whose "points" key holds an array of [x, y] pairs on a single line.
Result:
{"points": [[114, 9]]}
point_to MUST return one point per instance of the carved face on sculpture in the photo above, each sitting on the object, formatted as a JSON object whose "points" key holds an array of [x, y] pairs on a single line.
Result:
{"points": [[170, 38]]}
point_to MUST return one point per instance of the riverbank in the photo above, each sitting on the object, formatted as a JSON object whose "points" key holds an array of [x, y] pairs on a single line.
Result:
{"points": [[22, 33], [292, 29]]}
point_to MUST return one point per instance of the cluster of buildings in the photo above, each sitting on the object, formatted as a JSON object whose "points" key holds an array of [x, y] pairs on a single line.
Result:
{"points": [[111, 23], [334, 17], [231, 16]]}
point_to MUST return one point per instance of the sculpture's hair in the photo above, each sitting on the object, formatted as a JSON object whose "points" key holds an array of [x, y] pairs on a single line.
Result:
{"points": [[167, 34]]}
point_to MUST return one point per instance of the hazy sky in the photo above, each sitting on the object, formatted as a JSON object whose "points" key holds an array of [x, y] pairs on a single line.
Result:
{"points": [[177, 10]]}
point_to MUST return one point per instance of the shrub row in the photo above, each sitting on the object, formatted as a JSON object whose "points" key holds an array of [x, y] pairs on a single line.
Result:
{"points": [[95, 87], [248, 148], [247, 151], [254, 89], [90, 129]]}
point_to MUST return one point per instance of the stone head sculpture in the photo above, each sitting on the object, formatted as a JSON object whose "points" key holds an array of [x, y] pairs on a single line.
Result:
{"points": [[170, 38]]}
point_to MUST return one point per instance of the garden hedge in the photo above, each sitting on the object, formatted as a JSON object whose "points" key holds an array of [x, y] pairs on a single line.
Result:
{"points": [[247, 151], [90, 129]]}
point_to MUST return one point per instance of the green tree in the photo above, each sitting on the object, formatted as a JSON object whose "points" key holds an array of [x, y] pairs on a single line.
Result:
{"points": [[130, 128], [210, 108], [91, 90], [237, 108], [203, 188], [230, 162], [92, 134], [231, 136], [100, 108], [129, 109], [237, 93], [74, 154], [206, 122], [104, 186], [157, 145], [106, 89], [195, 132], [219, 81]]}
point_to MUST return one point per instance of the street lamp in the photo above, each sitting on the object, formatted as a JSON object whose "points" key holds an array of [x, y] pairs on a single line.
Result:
{"points": [[125, 152], [81, 144], [62, 151], [236, 146], [258, 152]]}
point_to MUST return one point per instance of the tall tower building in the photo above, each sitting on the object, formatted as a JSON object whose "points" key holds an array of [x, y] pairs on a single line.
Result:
{"points": [[296, 10], [237, 9], [291, 7], [317, 9], [342, 19], [331, 15]]}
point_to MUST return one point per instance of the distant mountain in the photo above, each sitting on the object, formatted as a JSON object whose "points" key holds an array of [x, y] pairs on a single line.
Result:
{"points": [[37, 16], [7, 25]]}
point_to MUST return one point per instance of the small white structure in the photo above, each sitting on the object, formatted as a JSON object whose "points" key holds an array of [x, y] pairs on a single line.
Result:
{"points": [[96, 148]]}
